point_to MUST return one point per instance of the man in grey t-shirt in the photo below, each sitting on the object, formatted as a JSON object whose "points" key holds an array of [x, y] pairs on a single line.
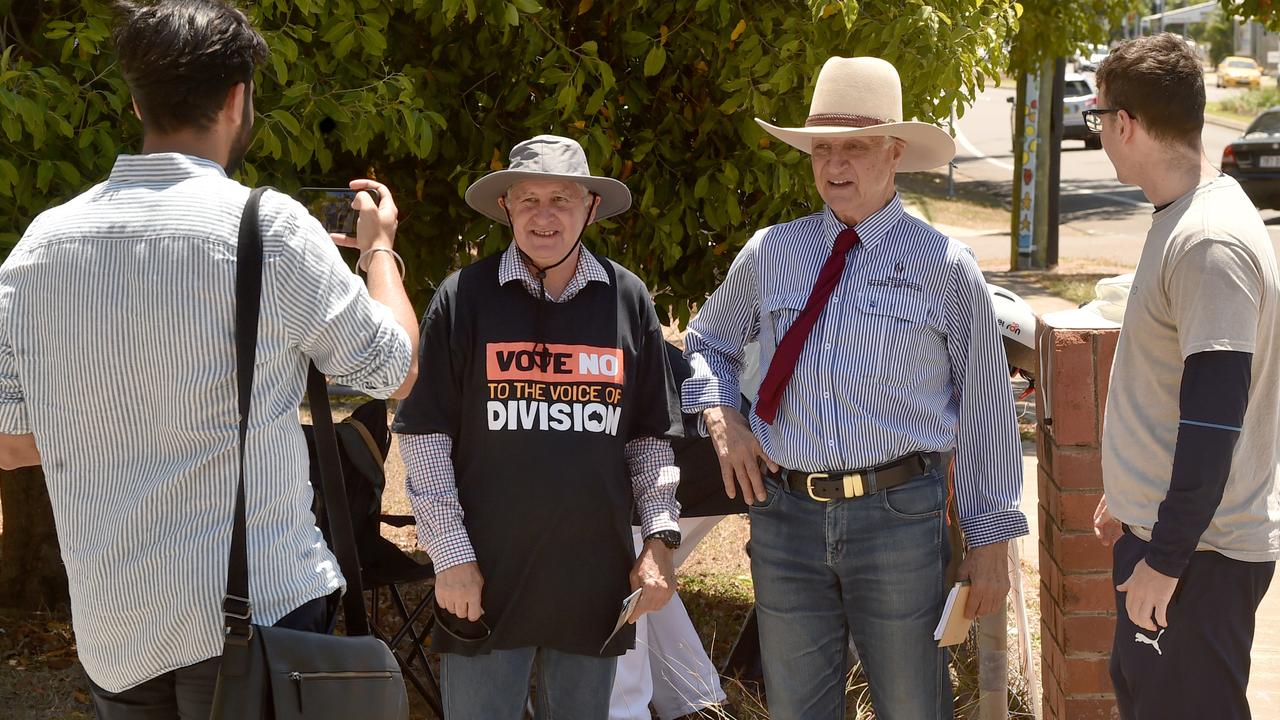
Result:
{"points": [[1189, 445]]}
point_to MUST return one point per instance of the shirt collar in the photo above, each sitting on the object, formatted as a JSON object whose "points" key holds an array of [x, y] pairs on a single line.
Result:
{"points": [[872, 228], [513, 268], [162, 166]]}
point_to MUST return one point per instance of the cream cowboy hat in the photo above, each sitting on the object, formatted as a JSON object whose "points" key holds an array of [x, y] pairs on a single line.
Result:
{"points": [[863, 96], [546, 157]]}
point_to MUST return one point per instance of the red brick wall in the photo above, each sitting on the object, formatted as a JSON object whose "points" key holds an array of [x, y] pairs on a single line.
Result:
{"points": [[1077, 603]]}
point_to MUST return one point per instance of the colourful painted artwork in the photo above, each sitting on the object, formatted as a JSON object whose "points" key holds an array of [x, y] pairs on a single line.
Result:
{"points": [[1027, 190]]}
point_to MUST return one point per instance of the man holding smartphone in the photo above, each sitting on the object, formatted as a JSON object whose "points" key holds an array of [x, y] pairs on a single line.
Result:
{"points": [[117, 370]]}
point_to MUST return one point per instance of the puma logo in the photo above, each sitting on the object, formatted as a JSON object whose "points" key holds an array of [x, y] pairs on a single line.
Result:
{"points": [[1140, 638]]}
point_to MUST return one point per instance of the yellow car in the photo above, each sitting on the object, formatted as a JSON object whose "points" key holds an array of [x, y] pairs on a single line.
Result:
{"points": [[1236, 71]]}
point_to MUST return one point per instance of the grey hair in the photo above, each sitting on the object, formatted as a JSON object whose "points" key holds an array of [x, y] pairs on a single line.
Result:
{"points": [[586, 191]]}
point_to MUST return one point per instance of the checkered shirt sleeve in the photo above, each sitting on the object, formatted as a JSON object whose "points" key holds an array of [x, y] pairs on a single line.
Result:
{"points": [[433, 493], [654, 477]]}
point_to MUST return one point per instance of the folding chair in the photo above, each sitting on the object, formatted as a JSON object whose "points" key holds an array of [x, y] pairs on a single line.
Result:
{"points": [[364, 439]]}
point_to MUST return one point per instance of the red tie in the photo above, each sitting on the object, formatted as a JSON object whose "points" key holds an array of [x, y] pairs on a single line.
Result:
{"points": [[784, 360]]}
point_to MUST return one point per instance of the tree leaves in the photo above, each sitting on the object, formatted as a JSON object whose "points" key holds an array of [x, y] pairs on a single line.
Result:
{"points": [[654, 61], [1049, 29], [429, 95], [1264, 11]]}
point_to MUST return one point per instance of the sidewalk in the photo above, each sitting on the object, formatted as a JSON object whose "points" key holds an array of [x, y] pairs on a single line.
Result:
{"points": [[1264, 681], [991, 247]]}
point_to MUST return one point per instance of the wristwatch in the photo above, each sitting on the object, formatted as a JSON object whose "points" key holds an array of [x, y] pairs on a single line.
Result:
{"points": [[670, 538]]}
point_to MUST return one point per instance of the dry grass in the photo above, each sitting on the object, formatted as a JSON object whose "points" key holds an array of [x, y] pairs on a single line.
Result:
{"points": [[1078, 288], [1075, 285], [927, 191]]}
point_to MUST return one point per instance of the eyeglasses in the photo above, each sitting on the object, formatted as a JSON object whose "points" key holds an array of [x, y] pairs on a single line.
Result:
{"points": [[1093, 117]]}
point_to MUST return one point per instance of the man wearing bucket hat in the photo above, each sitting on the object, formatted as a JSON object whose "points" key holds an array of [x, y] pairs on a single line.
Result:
{"points": [[881, 357], [542, 414]]}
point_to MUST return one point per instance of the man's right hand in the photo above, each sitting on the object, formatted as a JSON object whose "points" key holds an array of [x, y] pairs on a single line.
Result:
{"points": [[1105, 527], [375, 224], [458, 590], [739, 452]]}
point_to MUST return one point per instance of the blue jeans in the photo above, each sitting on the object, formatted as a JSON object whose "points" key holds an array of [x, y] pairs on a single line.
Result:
{"points": [[871, 566], [496, 686]]}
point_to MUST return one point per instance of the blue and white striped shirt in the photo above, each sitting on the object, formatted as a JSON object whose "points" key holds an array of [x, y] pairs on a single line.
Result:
{"points": [[905, 358], [117, 351]]}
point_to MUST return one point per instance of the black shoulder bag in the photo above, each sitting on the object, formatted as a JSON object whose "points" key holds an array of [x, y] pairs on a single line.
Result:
{"points": [[270, 672]]}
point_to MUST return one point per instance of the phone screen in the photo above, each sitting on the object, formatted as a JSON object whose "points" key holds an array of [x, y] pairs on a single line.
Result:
{"points": [[332, 207]]}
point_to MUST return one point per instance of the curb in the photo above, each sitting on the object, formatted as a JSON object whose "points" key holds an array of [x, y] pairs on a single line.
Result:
{"points": [[1224, 122]]}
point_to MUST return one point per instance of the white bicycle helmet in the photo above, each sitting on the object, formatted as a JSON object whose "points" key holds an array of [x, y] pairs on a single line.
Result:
{"points": [[1017, 323]]}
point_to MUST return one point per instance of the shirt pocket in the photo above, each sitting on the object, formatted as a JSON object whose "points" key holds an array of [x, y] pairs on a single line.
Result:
{"points": [[901, 336], [780, 313]]}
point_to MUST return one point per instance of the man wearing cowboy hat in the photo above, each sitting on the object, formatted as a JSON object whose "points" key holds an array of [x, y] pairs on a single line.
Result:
{"points": [[881, 357], [542, 413]]}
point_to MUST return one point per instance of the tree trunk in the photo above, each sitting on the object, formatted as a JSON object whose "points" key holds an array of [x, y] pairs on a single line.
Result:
{"points": [[32, 576]]}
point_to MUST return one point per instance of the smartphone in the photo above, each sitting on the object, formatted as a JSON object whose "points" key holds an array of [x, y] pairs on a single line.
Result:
{"points": [[332, 207]]}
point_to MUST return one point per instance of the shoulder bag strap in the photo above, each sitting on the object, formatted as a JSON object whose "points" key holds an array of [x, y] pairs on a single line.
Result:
{"points": [[334, 490], [236, 607]]}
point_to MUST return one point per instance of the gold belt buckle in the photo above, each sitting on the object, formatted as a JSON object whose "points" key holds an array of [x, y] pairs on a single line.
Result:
{"points": [[808, 481], [854, 485]]}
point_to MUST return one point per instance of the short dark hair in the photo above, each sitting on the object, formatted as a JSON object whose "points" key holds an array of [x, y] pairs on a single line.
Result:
{"points": [[1159, 80], [180, 57]]}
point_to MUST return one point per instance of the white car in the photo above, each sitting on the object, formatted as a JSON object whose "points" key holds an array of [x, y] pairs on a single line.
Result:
{"points": [[1090, 61], [1078, 95]]}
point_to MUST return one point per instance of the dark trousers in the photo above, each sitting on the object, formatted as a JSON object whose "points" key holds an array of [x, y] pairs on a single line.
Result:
{"points": [[188, 691], [1198, 666]]}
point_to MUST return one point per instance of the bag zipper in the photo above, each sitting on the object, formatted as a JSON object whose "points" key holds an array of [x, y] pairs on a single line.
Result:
{"points": [[298, 677]]}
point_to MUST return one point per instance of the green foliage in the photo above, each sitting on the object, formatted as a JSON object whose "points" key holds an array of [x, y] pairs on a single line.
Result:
{"points": [[1266, 12], [1250, 102], [428, 95], [1219, 33], [1050, 29]]}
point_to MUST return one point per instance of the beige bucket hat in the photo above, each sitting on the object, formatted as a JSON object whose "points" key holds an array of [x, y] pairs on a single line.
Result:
{"points": [[546, 157], [863, 96]]}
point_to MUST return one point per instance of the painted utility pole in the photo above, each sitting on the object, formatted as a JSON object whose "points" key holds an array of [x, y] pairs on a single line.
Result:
{"points": [[1032, 143]]}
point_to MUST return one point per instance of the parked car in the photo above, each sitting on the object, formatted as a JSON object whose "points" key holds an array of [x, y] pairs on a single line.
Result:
{"points": [[1089, 61], [1078, 95], [1237, 71], [1254, 159]]}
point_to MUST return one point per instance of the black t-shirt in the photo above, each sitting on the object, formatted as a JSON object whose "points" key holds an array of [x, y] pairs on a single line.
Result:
{"points": [[539, 426]]}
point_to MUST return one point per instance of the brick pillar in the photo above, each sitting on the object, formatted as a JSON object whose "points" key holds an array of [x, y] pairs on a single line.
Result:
{"points": [[1077, 601]]}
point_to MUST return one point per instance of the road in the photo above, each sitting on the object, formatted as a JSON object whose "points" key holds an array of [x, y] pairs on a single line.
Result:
{"points": [[1101, 219]]}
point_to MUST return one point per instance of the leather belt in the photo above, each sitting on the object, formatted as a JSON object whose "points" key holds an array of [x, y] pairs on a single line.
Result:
{"points": [[848, 484]]}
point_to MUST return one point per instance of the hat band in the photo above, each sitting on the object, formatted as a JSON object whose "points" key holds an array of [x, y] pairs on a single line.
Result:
{"points": [[843, 120]]}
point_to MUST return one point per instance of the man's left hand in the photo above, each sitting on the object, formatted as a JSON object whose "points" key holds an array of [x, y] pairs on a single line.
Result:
{"points": [[654, 574], [986, 567], [1148, 592]]}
